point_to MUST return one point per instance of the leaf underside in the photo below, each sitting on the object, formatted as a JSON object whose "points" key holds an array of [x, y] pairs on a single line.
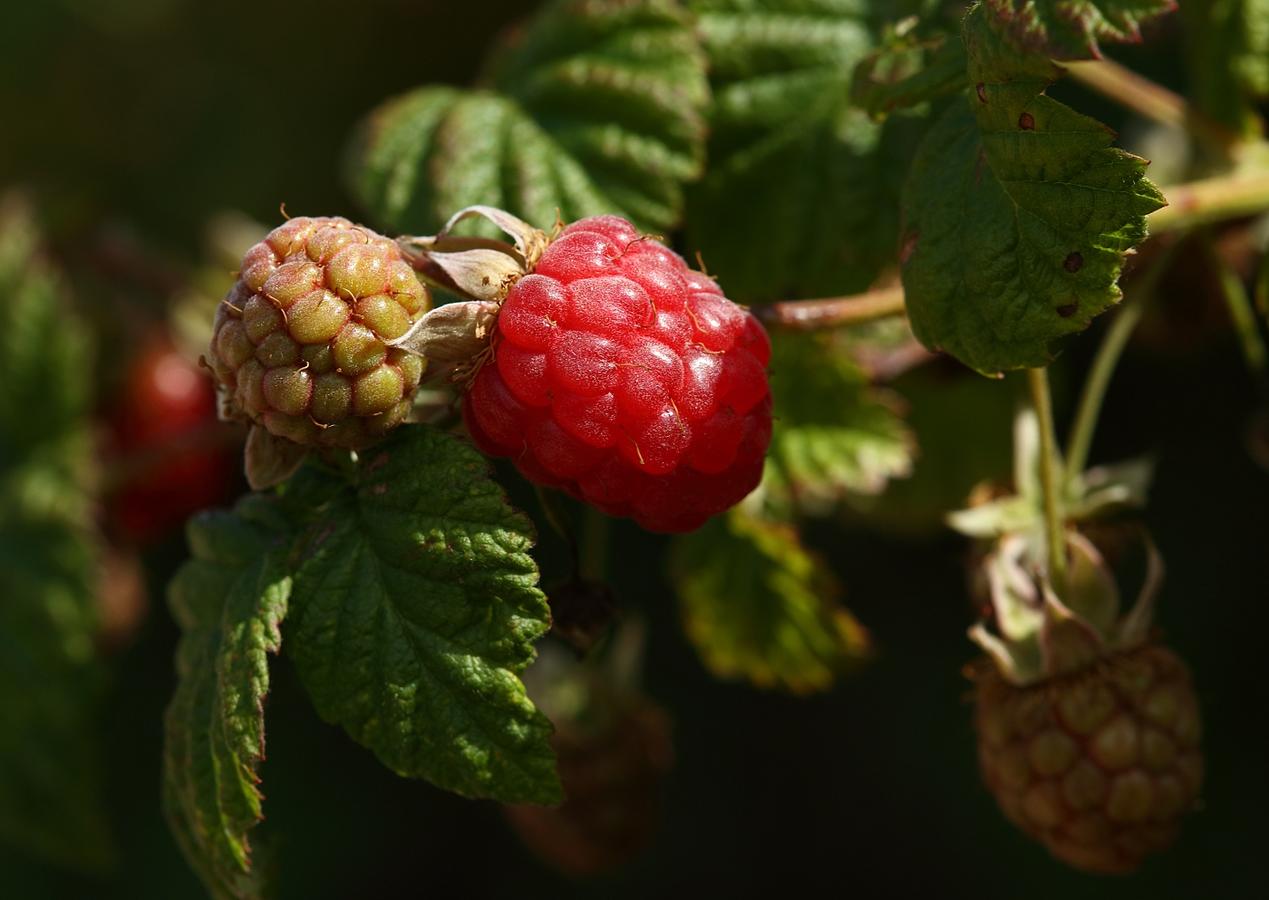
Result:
{"points": [[758, 606], [835, 436]]}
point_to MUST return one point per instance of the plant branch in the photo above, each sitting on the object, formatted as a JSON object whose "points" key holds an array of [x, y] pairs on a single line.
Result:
{"points": [[1108, 353], [1211, 200], [1190, 204], [1152, 101], [806, 315], [1050, 467]]}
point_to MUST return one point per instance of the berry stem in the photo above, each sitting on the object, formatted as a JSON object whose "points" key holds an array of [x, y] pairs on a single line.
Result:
{"points": [[1243, 316], [1121, 327], [806, 315], [1050, 468]]}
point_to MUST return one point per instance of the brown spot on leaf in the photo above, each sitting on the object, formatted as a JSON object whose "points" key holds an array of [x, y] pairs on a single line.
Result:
{"points": [[981, 90], [908, 247], [378, 462], [1067, 310], [1026, 122], [1074, 261]]}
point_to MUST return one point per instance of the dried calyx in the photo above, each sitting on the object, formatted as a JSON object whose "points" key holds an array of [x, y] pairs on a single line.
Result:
{"points": [[1035, 635], [454, 338]]}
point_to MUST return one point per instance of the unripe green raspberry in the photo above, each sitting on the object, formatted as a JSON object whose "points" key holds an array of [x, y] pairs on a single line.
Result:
{"points": [[301, 342], [1099, 765]]}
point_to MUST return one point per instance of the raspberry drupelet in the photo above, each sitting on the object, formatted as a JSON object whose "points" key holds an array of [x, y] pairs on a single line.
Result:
{"points": [[301, 343], [626, 379]]}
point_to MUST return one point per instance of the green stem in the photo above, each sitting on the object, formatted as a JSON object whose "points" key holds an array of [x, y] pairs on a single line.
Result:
{"points": [[1050, 485], [1090, 406], [1122, 325], [1211, 200], [1243, 316]]}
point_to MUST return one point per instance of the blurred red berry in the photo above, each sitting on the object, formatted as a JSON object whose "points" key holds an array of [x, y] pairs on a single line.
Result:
{"points": [[166, 444]]}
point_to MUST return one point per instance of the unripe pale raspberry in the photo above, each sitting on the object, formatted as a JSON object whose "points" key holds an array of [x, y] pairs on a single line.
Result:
{"points": [[627, 380], [612, 778], [1098, 765], [300, 344]]}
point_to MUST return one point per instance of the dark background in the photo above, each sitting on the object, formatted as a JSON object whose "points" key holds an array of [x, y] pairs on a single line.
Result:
{"points": [[145, 118]]}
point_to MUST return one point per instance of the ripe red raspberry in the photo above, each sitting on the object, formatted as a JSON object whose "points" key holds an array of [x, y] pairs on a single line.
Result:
{"points": [[1099, 764], [627, 380], [300, 343]]}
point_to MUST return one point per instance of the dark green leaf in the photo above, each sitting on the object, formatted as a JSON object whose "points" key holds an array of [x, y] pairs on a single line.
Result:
{"points": [[51, 799], [50, 682], [1017, 215], [802, 187], [600, 109], [415, 607], [1071, 29], [758, 606], [44, 351], [230, 600], [835, 435]]}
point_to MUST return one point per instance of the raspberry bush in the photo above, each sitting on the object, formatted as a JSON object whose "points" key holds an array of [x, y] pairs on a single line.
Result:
{"points": [[499, 437]]}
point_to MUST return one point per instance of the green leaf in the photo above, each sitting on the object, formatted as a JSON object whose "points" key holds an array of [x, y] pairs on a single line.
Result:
{"points": [[758, 606], [1071, 29], [801, 188], [908, 70], [598, 108], [415, 606], [835, 436], [1227, 56], [1017, 215], [51, 786], [230, 600], [44, 352], [939, 405], [51, 797]]}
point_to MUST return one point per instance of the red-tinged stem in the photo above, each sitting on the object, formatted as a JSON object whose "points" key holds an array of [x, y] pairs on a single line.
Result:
{"points": [[807, 315], [1191, 204]]}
